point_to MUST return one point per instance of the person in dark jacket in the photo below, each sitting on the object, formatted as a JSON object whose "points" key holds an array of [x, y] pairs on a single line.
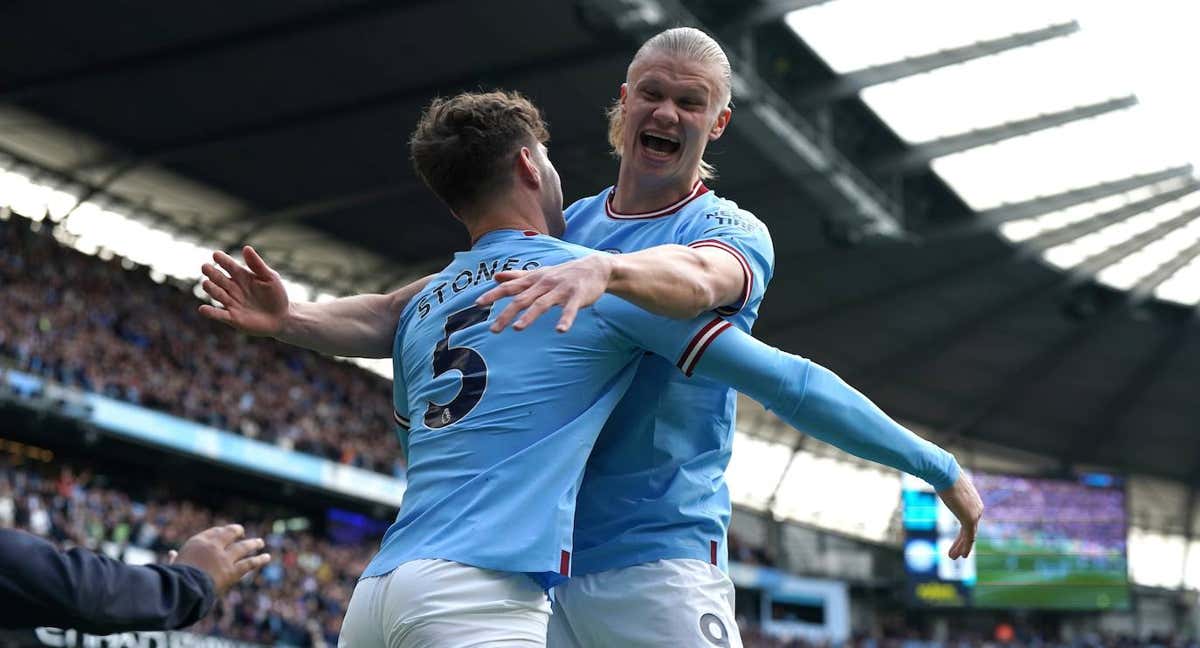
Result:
{"points": [[43, 586]]}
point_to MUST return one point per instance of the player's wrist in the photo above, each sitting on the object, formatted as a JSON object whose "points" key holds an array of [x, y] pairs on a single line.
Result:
{"points": [[613, 271], [289, 325]]}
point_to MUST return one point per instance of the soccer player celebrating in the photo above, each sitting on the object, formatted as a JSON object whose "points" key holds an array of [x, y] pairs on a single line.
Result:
{"points": [[653, 506]]}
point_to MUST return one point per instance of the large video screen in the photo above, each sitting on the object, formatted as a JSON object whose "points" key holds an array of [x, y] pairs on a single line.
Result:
{"points": [[1044, 543]]}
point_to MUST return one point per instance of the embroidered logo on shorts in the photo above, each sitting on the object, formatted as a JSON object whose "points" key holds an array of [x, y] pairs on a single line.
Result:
{"points": [[713, 629]]}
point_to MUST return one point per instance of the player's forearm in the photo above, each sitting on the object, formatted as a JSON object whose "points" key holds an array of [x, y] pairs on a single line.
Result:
{"points": [[357, 326], [350, 326], [838, 414], [814, 400], [671, 280]]}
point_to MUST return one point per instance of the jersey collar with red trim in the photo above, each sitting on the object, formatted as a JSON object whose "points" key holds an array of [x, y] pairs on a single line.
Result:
{"points": [[697, 190]]}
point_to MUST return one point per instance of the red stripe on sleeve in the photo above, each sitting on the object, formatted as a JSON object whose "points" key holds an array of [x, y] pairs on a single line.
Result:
{"points": [[724, 326], [712, 551], [687, 351], [564, 563]]}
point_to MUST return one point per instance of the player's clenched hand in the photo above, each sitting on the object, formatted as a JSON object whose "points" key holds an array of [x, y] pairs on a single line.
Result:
{"points": [[573, 285], [964, 502], [254, 300], [221, 553]]}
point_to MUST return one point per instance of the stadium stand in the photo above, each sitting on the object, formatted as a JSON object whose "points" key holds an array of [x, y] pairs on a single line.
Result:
{"points": [[93, 324]]}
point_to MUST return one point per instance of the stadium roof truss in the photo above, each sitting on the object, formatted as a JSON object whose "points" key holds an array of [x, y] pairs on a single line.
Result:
{"points": [[1017, 122]]}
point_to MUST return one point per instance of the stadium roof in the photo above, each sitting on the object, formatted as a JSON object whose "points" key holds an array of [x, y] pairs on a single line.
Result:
{"points": [[884, 159], [1100, 130]]}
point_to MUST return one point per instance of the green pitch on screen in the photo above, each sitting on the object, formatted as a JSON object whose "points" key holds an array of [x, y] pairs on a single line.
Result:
{"points": [[1016, 574]]}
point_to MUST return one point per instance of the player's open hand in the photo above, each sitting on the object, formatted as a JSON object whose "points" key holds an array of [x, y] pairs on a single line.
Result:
{"points": [[573, 285], [252, 298], [223, 554], [964, 502]]}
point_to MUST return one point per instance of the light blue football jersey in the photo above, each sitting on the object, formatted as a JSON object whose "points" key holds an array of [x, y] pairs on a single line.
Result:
{"points": [[500, 425], [655, 483]]}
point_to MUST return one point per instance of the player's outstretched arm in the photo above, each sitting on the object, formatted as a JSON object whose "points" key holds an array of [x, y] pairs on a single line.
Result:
{"points": [[672, 280], [252, 299], [804, 394], [816, 401]]}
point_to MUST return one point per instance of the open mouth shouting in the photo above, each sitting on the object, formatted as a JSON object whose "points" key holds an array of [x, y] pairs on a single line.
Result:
{"points": [[659, 145]]}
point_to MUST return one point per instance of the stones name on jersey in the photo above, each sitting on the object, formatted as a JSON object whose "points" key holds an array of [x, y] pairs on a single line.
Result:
{"points": [[468, 277]]}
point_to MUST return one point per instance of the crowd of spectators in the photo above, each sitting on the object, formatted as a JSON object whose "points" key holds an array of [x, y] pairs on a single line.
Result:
{"points": [[1077, 519], [96, 325], [297, 600]]}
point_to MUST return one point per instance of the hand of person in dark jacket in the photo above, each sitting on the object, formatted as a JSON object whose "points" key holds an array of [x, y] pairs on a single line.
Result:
{"points": [[41, 585], [224, 554]]}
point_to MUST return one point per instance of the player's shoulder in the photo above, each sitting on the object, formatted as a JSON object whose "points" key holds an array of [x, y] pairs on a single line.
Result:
{"points": [[568, 251], [544, 250], [714, 213], [728, 208], [587, 205]]}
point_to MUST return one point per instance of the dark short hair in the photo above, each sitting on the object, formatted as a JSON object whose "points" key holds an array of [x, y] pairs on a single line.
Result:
{"points": [[462, 146]]}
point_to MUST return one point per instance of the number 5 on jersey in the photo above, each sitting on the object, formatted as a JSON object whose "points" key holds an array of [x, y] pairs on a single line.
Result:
{"points": [[467, 361]]}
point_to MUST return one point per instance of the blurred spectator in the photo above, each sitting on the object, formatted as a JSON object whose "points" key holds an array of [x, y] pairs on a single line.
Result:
{"points": [[89, 323], [743, 552]]}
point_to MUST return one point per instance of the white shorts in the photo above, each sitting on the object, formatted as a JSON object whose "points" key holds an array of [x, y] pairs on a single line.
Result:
{"points": [[666, 603], [438, 603]]}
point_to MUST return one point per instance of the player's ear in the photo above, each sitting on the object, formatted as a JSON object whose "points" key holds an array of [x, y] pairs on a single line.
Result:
{"points": [[720, 124], [527, 168], [624, 94]]}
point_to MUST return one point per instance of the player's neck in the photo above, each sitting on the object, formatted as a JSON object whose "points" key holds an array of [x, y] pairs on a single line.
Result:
{"points": [[637, 193], [511, 213]]}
